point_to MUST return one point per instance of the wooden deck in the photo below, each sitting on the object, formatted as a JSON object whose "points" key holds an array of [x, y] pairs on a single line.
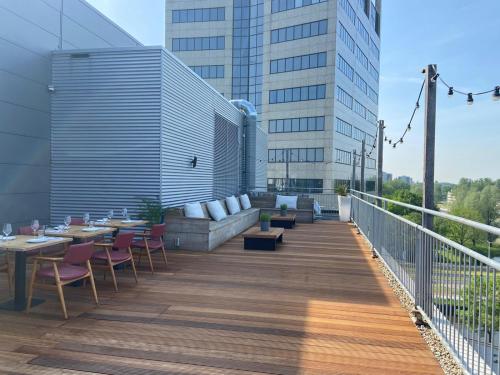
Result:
{"points": [[319, 305]]}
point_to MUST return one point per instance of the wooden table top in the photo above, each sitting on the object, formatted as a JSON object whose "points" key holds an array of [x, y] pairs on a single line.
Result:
{"points": [[255, 232], [289, 217], [76, 231], [20, 244], [119, 223]]}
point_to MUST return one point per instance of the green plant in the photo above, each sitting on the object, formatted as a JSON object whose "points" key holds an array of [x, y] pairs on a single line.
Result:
{"points": [[284, 206], [265, 217], [342, 190], [151, 210]]}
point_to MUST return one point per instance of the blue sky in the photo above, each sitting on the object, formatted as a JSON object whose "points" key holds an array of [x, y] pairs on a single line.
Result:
{"points": [[461, 36]]}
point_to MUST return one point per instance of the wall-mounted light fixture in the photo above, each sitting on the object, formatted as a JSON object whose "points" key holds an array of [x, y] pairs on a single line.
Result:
{"points": [[194, 161], [51, 88]]}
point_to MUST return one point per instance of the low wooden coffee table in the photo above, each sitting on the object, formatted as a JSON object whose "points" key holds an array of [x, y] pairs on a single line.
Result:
{"points": [[255, 239], [287, 221]]}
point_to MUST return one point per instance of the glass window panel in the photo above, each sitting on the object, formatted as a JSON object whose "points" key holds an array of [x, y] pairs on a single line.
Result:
{"points": [[274, 67], [281, 96], [213, 14], [205, 43], [213, 71], [297, 31], [289, 64], [289, 33], [322, 59], [198, 44], [175, 44], [312, 92], [320, 123], [271, 156], [279, 126], [294, 155], [296, 63], [220, 71], [281, 65], [321, 91], [302, 155], [274, 36], [272, 96], [305, 62], [311, 154], [198, 15], [280, 155], [175, 16], [190, 16], [272, 126], [205, 71], [221, 41], [313, 60], [282, 35], [311, 124], [288, 95], [287, 125], [304, 93], [323, 26], [221, 14], [190, 44], [319, 154], [295, 124], [314, 28], [306, 30], [296, 94], [303, 124]]}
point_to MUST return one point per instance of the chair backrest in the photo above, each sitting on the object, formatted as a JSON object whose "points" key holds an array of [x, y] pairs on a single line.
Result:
{"points": [[157, 231], [25, 231], [79, 253], [77, 221], [123, 240]]}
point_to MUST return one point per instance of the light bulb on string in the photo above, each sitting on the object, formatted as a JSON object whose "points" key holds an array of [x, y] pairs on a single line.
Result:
{"points": [[417, 105], [409, 127], [470, 99], [450, 92], [496, 93]]}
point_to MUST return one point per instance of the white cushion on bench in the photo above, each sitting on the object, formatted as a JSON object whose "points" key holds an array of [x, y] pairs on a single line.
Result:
{"points": [[245, 202], [193, 210], [232, 205], [289, 200], [216, 211]]}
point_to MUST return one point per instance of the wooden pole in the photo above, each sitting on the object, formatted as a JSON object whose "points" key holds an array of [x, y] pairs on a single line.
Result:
{"points": [[380, 161], [429, 147], [362, 187]]}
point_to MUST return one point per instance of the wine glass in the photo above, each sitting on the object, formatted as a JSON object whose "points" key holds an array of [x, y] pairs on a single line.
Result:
{"points": [[67, 221], [110, 214], [34, 226], [86, 218], [7, 230], [125, 213]]}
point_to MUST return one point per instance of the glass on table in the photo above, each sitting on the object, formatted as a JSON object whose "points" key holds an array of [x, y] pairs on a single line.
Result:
{"points": [[67, 222], [34, 226], [125, 213], [7, 230], [41, 231], [110, 214], [86, 218]]}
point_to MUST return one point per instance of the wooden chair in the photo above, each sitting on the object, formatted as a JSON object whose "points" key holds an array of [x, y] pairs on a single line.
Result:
{"points": [[152, 241], [114, 253], [74, 266], [6, 267], [77, 221], [25, 231]]}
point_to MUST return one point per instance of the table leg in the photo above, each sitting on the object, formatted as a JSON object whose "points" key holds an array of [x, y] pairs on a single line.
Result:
{"points": [[19, 301]]}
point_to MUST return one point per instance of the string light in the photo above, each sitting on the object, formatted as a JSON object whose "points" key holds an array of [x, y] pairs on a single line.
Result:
{"points": [[469, 95]]}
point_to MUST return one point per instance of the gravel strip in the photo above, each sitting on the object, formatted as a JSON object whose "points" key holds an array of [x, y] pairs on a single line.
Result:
{"points": [[445, 359]]}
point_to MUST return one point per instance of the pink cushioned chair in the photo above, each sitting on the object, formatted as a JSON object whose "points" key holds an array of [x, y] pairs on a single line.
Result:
{"points": [[25, 231], [73, 267], [77, 221], [152, 240], [114, 253]]}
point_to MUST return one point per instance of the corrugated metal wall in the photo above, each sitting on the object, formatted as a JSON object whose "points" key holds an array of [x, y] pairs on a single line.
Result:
{"points": [[105, 130], [226, 158], [126, 124]]}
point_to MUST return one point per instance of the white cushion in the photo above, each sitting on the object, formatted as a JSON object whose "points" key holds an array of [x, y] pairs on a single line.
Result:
{"points": [[289, 200], [193, 210], [232, 205], [245, 202], [216, 211]]}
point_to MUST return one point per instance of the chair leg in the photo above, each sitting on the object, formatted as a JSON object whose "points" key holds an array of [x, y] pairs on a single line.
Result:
{"points": [[60, 291], [112, 270], [32, 285], [9, 272], [164, 254], [140, 256], [148, 253], [133, 264], [92, 283]]}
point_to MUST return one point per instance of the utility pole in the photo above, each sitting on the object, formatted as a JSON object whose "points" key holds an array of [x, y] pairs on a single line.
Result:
{"points": [[362, 188], [380, 161], [353, 176], [429, 139]]}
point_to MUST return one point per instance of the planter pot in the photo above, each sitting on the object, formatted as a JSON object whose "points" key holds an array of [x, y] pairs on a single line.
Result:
{"points": [[264, 226], [344, 208], [283, 212]]}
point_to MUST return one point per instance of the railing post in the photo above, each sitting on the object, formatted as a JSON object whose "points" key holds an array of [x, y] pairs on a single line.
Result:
{"points": [[419, 274]]}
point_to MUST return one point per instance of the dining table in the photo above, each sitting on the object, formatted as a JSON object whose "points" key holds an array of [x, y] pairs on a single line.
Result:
{"points": [[120, 223], [80, 233], [23, 246]]}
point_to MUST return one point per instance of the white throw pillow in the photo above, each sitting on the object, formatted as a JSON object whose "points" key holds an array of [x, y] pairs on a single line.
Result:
{"points": [[216, 211], [245, 202], [232, 205], [193, 210], [289, 200]]}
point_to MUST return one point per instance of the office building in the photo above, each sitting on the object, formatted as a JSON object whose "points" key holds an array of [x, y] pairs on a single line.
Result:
{"points": [[311, 68]]}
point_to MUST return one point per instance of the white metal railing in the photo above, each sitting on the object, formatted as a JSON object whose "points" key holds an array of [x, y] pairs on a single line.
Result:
{"points": [[455, 288]]}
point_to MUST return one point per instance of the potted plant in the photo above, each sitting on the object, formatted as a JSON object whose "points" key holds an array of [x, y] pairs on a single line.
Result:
{"points": [[344, 202], [151, 210], [265, 222], [283, 209]]}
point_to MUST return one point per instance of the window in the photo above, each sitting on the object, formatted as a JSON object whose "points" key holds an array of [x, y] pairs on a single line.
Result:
{"points": [[372, 94], [346, 37], [373, 16], [360, 109], [374, 72], [371, 117], [198, 15], [361, 57], [360, 83], [342, 157], [209, 71], [296, 155], [358, 134], [289, 64], [371, 163], [282, 5], [348, 9], [300, 124], [198, 43], [374, 49], [344, 98], [362, 31], [343, 127], [287, 95], [345, 68], [301, 185], [305, 30]]}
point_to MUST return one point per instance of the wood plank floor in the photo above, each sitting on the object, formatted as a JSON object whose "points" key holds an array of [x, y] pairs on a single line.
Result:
{"points": [[319, 305]]}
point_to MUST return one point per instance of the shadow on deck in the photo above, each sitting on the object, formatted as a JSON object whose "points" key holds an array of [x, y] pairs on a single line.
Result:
{"points": [[318, 305]]}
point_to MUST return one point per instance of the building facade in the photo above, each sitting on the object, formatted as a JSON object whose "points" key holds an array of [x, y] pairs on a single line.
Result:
{"points": [[310, 67], [28, 35]]}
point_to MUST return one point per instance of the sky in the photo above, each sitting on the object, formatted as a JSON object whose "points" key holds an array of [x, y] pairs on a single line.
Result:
{"points": [[461, 36]]}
